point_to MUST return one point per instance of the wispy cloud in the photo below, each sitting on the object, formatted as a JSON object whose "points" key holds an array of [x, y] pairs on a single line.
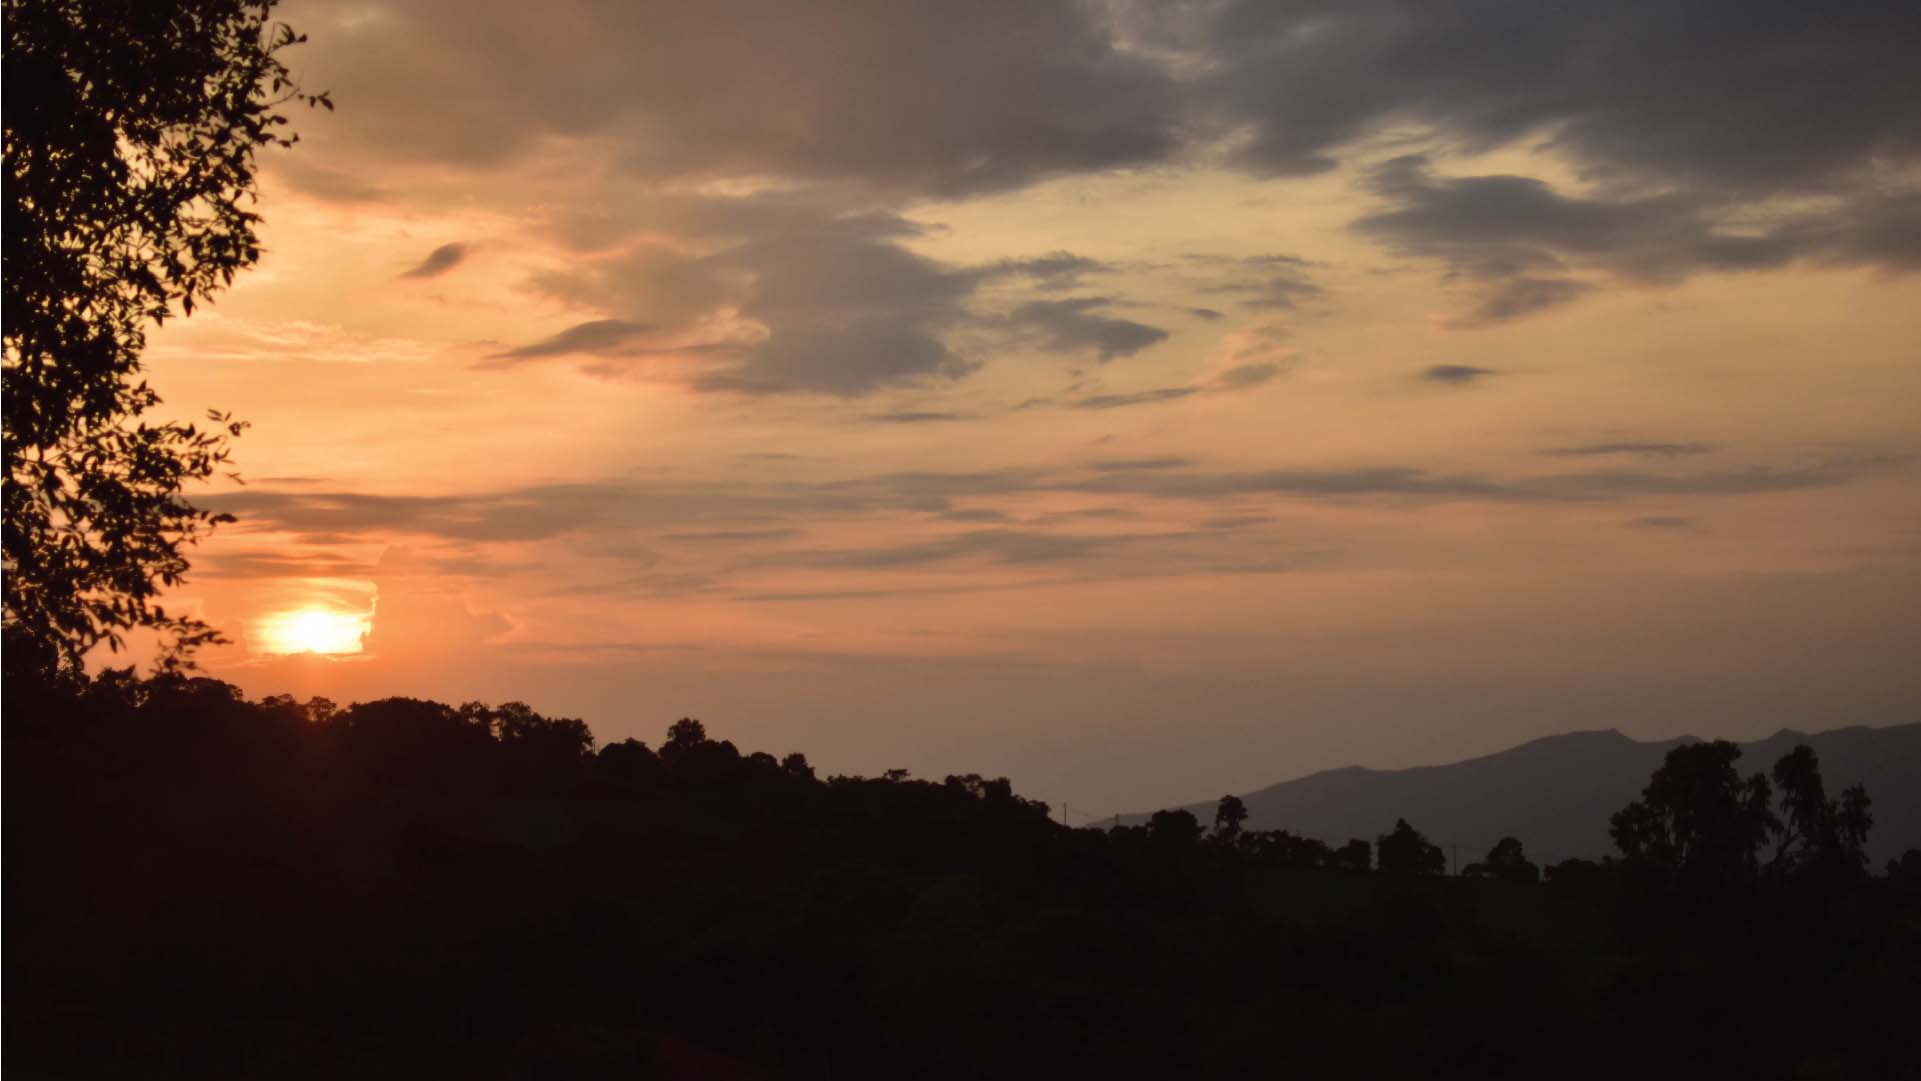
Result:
{"points": [[438, 262], [1459, 375]]}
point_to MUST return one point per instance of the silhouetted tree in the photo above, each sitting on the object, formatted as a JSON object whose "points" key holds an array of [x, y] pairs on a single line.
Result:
{"points": [[130, 132], [1817, 834], [1285, 849], [1176, 827], [1229, 815], [1406, 852], [1576, 870], [1355, 855], [1505, 860], [684, 735], [1698, 820], [628, 764]]}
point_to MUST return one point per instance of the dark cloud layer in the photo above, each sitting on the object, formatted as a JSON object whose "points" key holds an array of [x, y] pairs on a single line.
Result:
{"points": [[1714, 136], [1704, 137], [1524, 241], [846, 307], [921, 97], [1743, 96], [688, 510], [1751, 98]]}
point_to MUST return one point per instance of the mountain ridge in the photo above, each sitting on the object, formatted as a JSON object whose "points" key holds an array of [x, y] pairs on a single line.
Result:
{"points": [[1557, 792]]}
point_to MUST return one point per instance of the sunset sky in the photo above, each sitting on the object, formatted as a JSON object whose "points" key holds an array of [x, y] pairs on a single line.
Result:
{"points": [[1144, 401]]}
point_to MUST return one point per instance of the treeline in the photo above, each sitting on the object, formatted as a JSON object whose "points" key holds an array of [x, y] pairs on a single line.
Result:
{"points": [[202, 886]]}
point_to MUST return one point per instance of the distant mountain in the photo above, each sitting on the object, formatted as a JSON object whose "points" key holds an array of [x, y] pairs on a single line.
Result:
{"points": [[1556, 793]]}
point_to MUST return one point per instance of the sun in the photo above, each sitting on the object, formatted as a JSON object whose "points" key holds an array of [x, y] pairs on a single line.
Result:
{"points": [[313, 630]]}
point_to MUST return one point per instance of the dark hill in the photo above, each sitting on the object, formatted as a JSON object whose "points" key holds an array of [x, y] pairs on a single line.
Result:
{"points": [[1556, 793]]}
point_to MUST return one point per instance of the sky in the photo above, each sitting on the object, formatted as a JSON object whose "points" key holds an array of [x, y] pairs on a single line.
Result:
{"points": [[1141, 400]]}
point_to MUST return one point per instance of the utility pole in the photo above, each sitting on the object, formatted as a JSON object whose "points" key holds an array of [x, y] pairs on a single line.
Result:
{"points": [[1457, 860]]}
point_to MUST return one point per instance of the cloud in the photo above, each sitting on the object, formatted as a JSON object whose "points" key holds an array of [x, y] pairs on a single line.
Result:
{"points": [[1060, 270], [973, 514], [741, 538], [1745, 481], [1131, 465], [745, 510], [731, 536], [784, 292], [1072, 325], [1312, 483], [1239, 377], [909, 99], [772, 294], [1139, 397], [1652, 450], [279, 564], [1749, 99], [439, 261], [1456, 374], [1246, 376], [1270, 282], [597, 337], [329, 185], [995, 545], [1523, 240], [916, 417], [1517, 297], [1233, 522]]}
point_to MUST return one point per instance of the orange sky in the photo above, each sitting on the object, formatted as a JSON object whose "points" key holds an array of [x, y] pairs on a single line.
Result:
{"points": [[1115, 397]]}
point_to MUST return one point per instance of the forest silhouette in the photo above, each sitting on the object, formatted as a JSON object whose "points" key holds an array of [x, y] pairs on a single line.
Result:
{"points": [[203, 886]]}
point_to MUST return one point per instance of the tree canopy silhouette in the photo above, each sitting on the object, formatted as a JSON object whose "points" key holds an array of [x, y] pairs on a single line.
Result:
{"points": [[1229, 816], [205, 886], [1507, 859], [130, 133], [1406, 852], [1814, 833]]}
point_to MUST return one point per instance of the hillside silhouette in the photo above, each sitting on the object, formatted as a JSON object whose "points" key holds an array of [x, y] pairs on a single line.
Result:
{"points": [[1556, 793], [202, 886]]}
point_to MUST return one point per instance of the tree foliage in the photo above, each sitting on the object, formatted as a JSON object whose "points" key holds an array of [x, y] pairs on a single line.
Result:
{"points": [[1230, 814], [1816, 834], [1406, 852], [131, 128], [1506, 860], [1699, 822], [1698, 819]]}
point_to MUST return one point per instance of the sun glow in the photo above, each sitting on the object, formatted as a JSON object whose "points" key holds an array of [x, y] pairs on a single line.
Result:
{"points": [[313, 630]]}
